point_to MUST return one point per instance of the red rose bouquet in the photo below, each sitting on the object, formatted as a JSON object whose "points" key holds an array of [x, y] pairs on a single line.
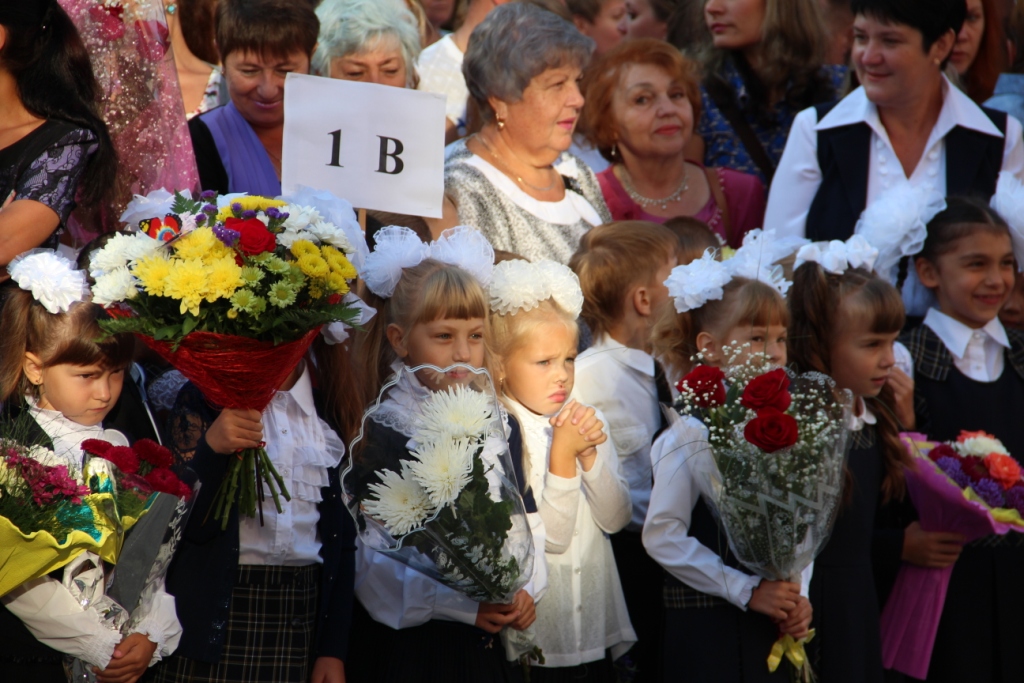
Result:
{"points": [[774, 481], [971, 486], [231, 292]]}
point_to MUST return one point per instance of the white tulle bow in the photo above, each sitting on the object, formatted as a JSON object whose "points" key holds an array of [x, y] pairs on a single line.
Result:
{"points": [[519, 285], [1008, 202], [896, 224], [836, 256], [694, 284], [54, 281], [758, 258], [338, 332], [398, 248]]}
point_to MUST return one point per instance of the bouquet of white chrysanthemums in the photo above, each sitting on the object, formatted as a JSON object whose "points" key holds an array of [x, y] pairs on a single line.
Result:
{"points": [[431, 482]]}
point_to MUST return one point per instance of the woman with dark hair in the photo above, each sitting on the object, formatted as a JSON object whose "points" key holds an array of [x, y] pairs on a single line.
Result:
{"points": [[906, 126], [238, 145], [979, 54], [763, 62], [54, 148], [201, 80]]}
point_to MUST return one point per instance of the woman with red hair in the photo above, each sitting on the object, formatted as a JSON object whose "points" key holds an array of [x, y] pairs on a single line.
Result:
{"points": [[642, 100], [980, 55]]}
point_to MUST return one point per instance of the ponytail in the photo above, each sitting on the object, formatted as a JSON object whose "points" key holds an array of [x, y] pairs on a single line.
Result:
{"points": [[55, 80]]}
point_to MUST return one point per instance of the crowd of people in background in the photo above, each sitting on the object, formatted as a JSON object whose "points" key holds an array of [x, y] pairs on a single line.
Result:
{"points": [[621, 145]]}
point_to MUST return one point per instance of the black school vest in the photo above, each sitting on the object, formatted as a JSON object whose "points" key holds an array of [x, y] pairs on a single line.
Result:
{"points": [[973, 162], [949, 401]]}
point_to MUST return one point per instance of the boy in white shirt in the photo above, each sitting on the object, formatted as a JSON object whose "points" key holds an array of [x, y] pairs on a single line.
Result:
{"points": [[622, 267]]}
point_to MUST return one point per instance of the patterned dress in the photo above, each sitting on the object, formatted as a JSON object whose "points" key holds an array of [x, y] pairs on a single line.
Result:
{"points": [[512, 220]]}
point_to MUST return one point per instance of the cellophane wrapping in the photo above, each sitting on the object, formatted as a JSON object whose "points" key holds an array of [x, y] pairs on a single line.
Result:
{"points": [[777, 509], [447, 503]]}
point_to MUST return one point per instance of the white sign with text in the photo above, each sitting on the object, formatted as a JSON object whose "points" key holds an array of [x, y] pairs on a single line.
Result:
{"points": [[377, 146]]}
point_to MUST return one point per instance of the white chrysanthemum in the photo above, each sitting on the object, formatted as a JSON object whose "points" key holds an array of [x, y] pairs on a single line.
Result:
{"points": [[117, 285], [329, 233], [121, 250], [443, 468], [401, 503], [458, 413], [54, 281], [980, 446], [289, 237], [300, 217], [698, 282]]}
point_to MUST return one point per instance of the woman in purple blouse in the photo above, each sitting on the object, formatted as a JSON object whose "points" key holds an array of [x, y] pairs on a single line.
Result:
{"points": [[238, 145], [642, 100]]}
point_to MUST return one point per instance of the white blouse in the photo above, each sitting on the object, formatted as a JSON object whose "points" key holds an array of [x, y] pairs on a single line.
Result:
{"points": [[302, 447], [49, 609], [980, 354], [584, 611]]}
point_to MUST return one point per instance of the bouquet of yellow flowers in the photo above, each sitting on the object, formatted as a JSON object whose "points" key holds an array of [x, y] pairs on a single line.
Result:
{"points": [[232, 291]]}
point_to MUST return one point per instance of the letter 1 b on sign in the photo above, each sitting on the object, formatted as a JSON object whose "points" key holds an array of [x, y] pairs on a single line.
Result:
{"points": [[384, 154]]}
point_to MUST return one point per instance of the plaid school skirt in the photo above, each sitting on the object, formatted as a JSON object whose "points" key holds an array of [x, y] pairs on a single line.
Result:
{"points": [[269, 634]]}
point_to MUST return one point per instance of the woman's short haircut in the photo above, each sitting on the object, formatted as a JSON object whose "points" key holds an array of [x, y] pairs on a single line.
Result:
{"points": [[277, 28], [351, 26], [603, 78], [933, 18], [516, 43]]}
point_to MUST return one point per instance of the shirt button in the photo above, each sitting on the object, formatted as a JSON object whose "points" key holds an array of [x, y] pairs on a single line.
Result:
{"points": [[933, 171], [284, 431], [884, 170], [576, 533], [579, 608]]}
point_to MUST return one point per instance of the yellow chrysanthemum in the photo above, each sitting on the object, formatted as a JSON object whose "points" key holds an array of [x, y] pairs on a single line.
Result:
{"points": [[314, 266], [223, 277], [338, 263], [152, 272], [304, 248], [249, 203], [201, 243], [187, 282], [337, 283]]}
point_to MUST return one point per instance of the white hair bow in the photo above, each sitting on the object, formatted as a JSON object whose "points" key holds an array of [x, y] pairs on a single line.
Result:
{"points": [[54, 280], [836, 256], [520, 285], [338, 331], [399, 248], [694, 284], [896, 224]]}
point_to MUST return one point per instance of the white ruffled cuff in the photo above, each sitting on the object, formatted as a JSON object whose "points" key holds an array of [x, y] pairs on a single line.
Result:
{"points": [[161, 626], [310, 478]]}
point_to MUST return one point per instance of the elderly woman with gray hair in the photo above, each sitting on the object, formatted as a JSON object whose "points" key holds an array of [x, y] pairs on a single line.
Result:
{"points": [[514, 180], [373, 41]]}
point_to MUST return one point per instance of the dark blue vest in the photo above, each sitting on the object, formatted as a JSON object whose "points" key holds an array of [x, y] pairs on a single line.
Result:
{"points": [[973, 162]]}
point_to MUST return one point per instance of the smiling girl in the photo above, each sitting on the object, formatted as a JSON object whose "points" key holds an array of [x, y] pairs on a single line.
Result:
{"points": [[571, 467], [969, 373]]}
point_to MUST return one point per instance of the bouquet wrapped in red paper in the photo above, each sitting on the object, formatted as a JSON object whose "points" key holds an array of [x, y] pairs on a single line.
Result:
{"points": [[232, 291], [971, 487]]}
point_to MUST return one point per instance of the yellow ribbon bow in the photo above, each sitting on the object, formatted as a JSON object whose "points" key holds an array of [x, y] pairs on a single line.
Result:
{"points": [[794, 651]]}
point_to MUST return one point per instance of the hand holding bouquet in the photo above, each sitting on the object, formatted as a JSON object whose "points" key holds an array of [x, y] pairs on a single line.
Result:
{"points": [[774, 481], [971, 486], [231, 291]]}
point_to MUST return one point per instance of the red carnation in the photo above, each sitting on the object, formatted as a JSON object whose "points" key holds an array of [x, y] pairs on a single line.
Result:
{"points": [[772, 430], [770, 390], [334, 299], [974, 468], [153, 453], [944, 451], [96, 447], [705, 384], [255, 238], [165, 481], [123, 458]]}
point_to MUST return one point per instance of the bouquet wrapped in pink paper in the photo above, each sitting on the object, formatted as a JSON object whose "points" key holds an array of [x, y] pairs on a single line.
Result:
{"points": [[972, 487]]}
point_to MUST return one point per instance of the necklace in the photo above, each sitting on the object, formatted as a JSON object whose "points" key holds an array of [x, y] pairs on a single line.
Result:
{"points": [[483, 141], [645, 202]]}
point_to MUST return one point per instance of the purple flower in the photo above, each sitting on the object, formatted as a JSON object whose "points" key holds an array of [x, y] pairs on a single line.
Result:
{"points": [[273, 213], [226, 235], [283, 215], [1015, 499], [236, 208], [952, 468], [246, 215], [210, 209], [207, 195], [991, 492]]}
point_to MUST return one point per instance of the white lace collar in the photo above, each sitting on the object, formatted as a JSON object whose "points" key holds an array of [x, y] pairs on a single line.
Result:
{"points": [[67, 436], [401, 407]]}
